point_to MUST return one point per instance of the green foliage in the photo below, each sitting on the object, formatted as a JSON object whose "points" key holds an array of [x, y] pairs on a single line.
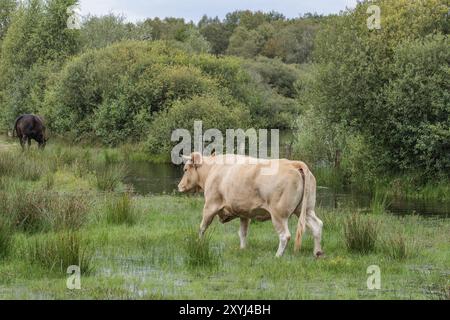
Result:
{"points": [[216, 33], [7, 8], [36, 43], [116, 93], [100, 32], [196, 42], [274, 74], [183, 113], [389, 85]]}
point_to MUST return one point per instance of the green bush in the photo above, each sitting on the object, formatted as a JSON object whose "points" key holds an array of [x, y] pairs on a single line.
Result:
{"points": [[113, 94], [182, 114], [388, 85]]}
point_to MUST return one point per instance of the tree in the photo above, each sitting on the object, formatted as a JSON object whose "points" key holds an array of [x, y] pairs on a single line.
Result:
{"points": [[196, 42], [245, 43], [388, 85], [7, 8], [215, 33], [37, 42]]}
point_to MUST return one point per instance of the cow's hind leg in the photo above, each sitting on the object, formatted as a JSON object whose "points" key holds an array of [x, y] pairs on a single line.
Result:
{"points": [[23, 142], [281, 226], [243, 231], [315, 225]]}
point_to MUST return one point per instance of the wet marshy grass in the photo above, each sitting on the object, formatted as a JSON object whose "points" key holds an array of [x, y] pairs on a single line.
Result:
{"points": [[138, 247]]}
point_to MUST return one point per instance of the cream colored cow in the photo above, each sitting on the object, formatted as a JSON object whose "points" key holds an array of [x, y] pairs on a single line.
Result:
{"points": [[238, 187]]}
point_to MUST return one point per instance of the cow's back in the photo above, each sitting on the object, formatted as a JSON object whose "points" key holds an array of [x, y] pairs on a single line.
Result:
{"points": [[243, 187]]}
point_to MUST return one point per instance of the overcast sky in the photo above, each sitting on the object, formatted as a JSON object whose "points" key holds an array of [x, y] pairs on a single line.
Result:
{"points": [[136, 10]]}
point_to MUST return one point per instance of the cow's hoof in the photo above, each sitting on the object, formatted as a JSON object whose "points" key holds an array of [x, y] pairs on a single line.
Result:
{"points": [[320, 254]]}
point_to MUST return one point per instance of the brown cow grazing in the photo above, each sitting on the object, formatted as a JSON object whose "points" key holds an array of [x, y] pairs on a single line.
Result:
{"points": [[28, 127], [241, 187]]}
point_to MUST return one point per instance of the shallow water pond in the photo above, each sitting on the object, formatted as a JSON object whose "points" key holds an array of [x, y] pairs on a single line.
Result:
{"points": [[148, 178]]}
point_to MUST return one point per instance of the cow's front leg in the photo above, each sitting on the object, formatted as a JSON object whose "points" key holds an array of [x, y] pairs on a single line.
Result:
{"points": [[243, 231], [281, 226], [209, 212]]}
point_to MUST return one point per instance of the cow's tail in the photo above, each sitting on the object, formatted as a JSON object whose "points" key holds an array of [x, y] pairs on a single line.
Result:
{"points": [[14, 132], [302, 218]]}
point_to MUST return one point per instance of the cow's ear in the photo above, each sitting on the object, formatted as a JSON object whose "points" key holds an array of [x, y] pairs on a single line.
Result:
{"points": [[197, 158]]}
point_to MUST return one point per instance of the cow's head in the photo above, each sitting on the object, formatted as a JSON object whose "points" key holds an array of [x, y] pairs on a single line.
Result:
{"points": [[43, 141], [191, 178]]}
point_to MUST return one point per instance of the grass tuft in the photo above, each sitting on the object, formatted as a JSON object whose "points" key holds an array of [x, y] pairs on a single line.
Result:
{"points": [[110, 177], [56, 252], [379, 202], [398, 247], [360, 234], [121, 210], [199, 254]]}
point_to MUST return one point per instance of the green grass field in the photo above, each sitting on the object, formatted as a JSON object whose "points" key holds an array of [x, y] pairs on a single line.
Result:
{"points": [[147, 248]]}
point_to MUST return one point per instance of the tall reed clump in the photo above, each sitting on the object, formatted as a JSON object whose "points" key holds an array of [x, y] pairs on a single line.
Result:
{"points": [[57, 252], [398, 247], [360, 233], [330, 177], [30, 166], [121, 210], [67, 212], [27, 209], [109, 177], [199, 253], [379, 202], [36, 211]]}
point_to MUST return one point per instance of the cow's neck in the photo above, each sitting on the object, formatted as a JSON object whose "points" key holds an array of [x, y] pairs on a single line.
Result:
{"points": [[203, 172]]}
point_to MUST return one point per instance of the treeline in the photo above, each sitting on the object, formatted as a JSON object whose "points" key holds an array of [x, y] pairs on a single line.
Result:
{"points": [[371, 102], [381, 97], [114, 81]]}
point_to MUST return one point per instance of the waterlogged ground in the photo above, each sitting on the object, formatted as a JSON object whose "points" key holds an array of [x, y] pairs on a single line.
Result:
{"points": [[150, 261], [156, 254]]}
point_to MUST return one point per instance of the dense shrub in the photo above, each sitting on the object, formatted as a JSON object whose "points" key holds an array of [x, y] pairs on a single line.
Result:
{"points": [[182, 115], [388, 85], [113, 93]]}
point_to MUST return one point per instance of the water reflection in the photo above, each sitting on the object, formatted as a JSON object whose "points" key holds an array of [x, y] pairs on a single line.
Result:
{"points": [[147, 178]]}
